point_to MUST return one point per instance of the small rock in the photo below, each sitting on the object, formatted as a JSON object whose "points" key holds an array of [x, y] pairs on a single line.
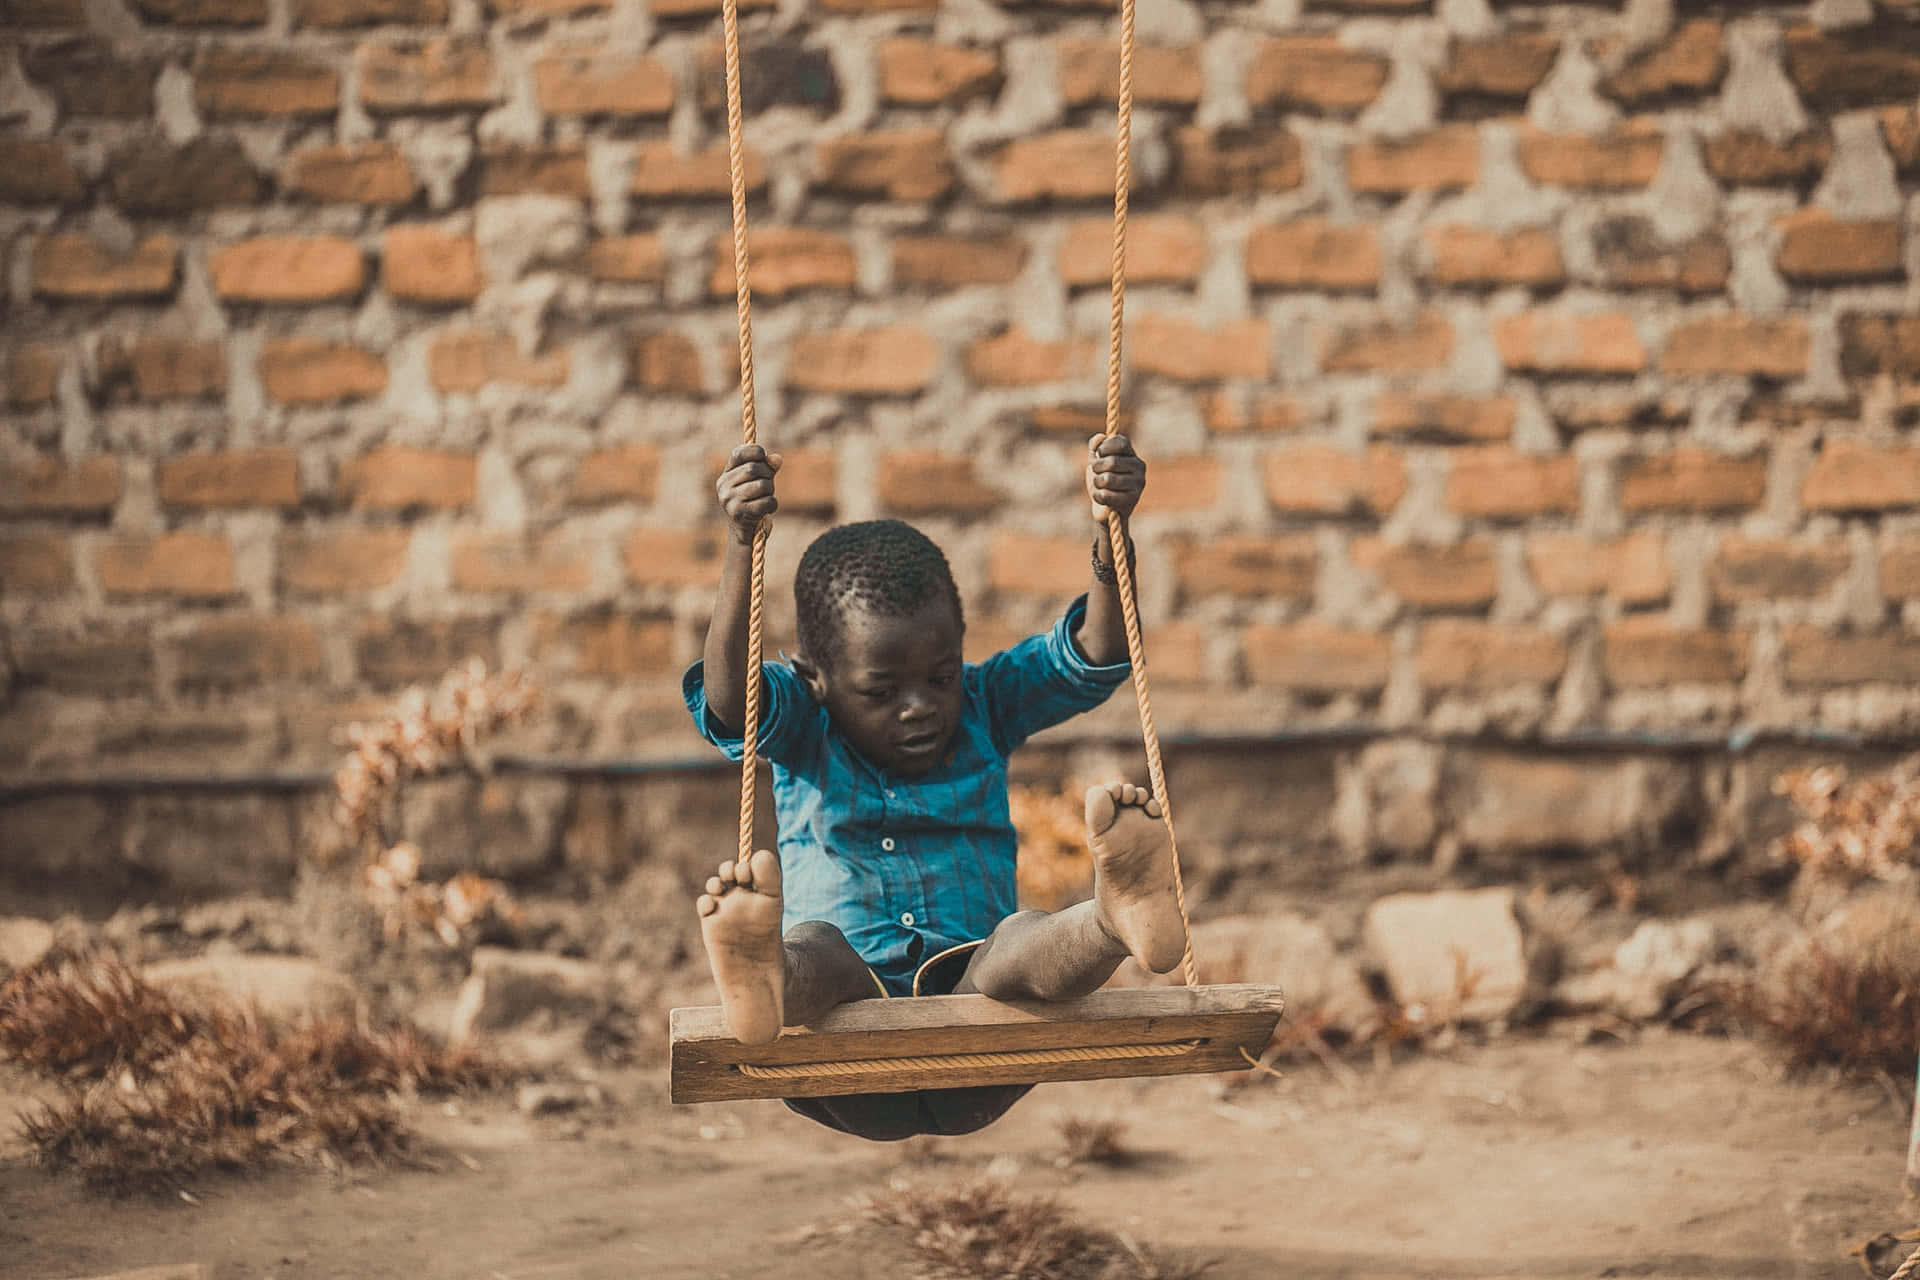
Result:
{"points": [[555, 1099], [24, 942], [531, 991], [1457, 953], [1648, 970], [1323, 989], [286, 988]]}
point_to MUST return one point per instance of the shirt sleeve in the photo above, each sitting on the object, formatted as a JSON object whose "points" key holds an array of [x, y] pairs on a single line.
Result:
{"points": [[1042, 681], [785, 713]]}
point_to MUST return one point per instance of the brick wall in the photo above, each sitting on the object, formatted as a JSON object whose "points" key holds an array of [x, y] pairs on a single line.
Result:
{"points": [[1542, 370]]}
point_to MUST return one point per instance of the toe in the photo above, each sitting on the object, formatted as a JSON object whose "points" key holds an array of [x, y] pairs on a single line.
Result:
{"points": [[1151, 805], [707, 904], [1102, 808], [764, 867], [715, 886], [727, 873]]}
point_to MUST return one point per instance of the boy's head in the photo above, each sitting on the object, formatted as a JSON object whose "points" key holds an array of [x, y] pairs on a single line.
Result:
{"points": [[880, 626]]}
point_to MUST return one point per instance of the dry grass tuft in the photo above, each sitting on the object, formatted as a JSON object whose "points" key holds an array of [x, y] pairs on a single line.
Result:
{"points": [[1087, 1140], [983, 1230], [158, 1092]]}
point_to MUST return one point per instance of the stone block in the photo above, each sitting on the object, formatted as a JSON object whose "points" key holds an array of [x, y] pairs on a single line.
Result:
{"points": [[526, 991], [196, 844], [1508, 805], [1388, 800], [1325, 991], [508, 828], [281, 988], [1456, 954]]}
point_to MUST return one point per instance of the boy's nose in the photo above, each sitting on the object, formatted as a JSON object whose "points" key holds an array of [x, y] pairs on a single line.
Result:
{"points": [[915, 706]]}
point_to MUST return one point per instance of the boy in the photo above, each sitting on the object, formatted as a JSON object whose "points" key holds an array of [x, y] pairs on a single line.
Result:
{"points": [[889, 757]]}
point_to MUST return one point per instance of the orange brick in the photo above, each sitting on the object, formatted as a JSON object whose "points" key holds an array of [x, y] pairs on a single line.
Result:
{"points": [[1632, 253], [928, 482], [467, 360], [399, 478], [1822, 660], [784, 260], [1753, 159], [1186, 482], [508, 169], [954, 262], [171, 368], [588, 83], [674, 557], [37, 563], [888, 361], [1817, 248], [1244, 565], [1230, 411], [1186, 352], [1387, 347], [341, 14], [1314, 73], [1631, 569], [1447, 159], [640, 258], [88, 77], [1900, 126], [615, 645], [303, 371], [1627, 157], [78, 268], [701, 8], [1235, 161], [1016, 358], [37, 171], [809, 479], [234, 84], [1852, 68], [1161, 249], [1459, 653], [1497, 483], [507, 564], [899, 164], [1176, 653], [1564, 342], [1163, 75], [1505, 66], [1849, 475], [624, 473], [196, 566], [921, 73], [1874, 344], [1689, 60], [391, 652], [201, 13], [1312, 253], [1649, 653], [1313, 658], [353, 173], [1464, 576], [879, 6], [1066, 164], [289, 269], [268, 477], [232, 651], [150, 177], [1765, 347], [1321, 479], [440, 75], [1474, 257], [94, 661], [1038, 564], [1900, 568], [1692, 480], [341, 561], [41, 486], [1076, 420], [1443, 418], [666, 362], [662, 172], [33, 375], [1746, 570], [431, 266]]}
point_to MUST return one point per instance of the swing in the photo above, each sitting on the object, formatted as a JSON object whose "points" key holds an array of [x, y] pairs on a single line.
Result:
{"points": [[959, 1041]]}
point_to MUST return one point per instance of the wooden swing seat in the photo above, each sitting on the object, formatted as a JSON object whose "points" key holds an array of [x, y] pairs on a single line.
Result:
{"points": [[946, 1042]]}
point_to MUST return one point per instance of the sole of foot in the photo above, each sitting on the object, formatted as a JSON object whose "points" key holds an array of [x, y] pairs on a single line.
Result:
{"points": [[740, 922], [1133, 874]]}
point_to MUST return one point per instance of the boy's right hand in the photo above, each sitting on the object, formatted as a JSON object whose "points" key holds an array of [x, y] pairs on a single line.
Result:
{"points": [[746, 489]]}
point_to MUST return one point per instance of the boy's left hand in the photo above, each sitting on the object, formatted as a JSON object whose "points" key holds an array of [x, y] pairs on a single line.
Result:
{"points": [[1116, 476]]}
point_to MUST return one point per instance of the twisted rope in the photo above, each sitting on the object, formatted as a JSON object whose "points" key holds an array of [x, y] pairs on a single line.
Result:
{"points": [[967, 1061], [1116, 529], [743, 304], [1909, 1268]]}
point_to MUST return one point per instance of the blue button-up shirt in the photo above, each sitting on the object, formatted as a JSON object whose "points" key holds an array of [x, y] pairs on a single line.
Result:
{"points": [[908, 867]]}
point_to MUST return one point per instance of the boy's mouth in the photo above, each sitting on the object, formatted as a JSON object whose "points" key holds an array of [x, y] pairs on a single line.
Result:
{"points": [[921, 745]]}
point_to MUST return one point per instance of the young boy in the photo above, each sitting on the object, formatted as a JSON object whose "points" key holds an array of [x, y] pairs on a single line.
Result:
{"points": [[889, 758]]}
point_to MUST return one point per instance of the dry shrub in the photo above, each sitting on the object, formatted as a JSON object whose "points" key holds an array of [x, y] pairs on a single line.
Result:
{"points": [[983, 1230], [1854, 829], [1089, 1140], [159, 1092], [1055, 870]]}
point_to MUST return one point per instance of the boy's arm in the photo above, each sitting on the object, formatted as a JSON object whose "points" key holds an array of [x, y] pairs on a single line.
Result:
{"points": [[746, 494], [1116, 476]]}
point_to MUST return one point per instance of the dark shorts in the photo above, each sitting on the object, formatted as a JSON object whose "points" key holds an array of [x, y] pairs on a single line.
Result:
{"points": [[948, 1113]]}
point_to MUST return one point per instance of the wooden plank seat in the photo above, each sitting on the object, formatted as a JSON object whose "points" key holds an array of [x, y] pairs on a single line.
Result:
{"points": [[936, 1042]]}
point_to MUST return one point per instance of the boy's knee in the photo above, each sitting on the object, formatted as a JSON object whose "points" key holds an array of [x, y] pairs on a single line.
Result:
{"points": [[817, 933]]}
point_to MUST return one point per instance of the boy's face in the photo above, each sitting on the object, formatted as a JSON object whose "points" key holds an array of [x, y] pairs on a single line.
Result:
{"points": [[894, 690]]}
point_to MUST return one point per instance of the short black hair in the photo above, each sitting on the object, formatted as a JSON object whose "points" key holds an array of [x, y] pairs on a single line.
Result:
{"points": [[887, 567]]}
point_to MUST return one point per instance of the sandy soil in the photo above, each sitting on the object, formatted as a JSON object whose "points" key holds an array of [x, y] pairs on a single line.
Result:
{"points": [[1675, 1156]]}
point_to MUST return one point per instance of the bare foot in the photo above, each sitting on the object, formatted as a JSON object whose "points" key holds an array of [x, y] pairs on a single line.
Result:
{"points": [[1133, 874], [740, 920]]}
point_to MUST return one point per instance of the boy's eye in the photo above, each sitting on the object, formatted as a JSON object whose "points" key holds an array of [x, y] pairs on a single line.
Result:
{"points": [[944, 678], [876, 695]]}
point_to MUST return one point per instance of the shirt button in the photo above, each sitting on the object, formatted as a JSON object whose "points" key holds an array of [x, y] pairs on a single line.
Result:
{"points": [[906, 918], [889, 793], [887, 844]]}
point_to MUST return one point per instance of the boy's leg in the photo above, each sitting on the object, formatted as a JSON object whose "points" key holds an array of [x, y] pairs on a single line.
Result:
{"points": [[1036, 955], [766, 982]]}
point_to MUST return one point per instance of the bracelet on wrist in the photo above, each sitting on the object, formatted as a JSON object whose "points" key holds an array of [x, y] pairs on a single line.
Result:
{"points": [[1104, 573]]}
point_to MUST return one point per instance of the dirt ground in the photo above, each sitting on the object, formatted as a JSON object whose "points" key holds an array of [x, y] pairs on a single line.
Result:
{"points": [[1675, 1155]]}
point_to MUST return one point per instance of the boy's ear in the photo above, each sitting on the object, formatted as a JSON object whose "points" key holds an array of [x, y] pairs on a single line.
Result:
{"points": [[809, 675]]}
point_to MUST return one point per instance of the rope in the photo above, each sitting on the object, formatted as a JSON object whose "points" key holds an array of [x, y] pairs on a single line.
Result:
{"points": [[1909, 1268], [1116, 530], [743, 303], [968, 1061]]}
